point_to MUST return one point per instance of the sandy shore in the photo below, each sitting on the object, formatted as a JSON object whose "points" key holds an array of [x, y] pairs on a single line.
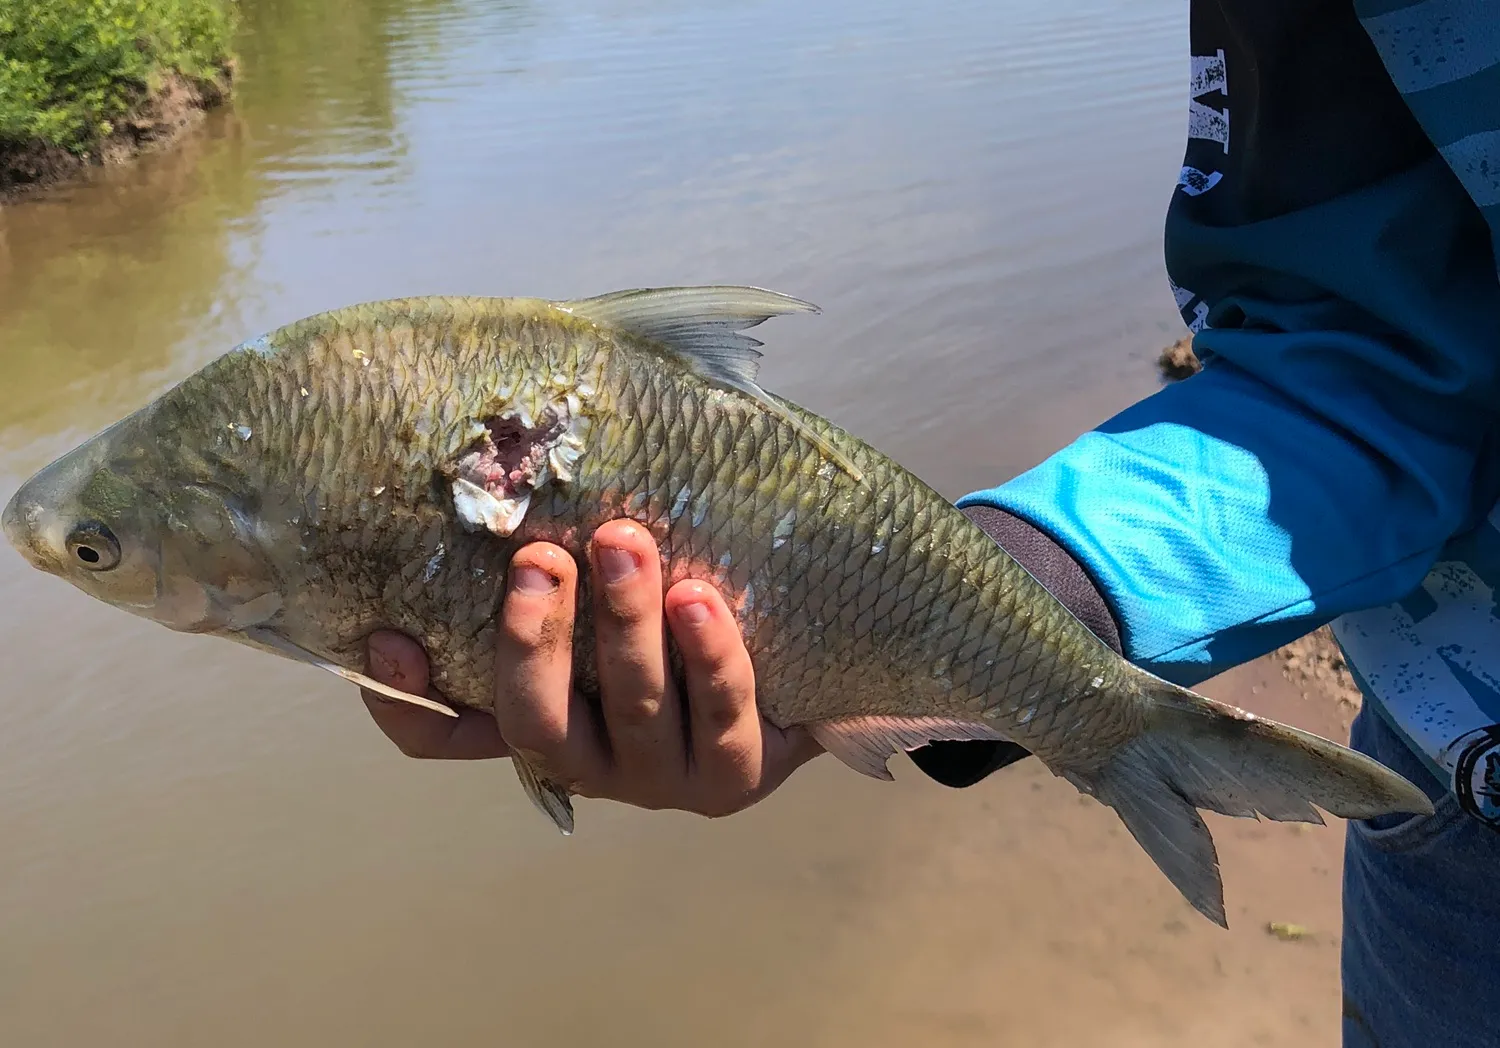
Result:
{"points": [[1158, 974]]}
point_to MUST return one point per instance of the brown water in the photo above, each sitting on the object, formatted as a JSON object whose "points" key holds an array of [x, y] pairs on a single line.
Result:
{"points": [[205, 846]]}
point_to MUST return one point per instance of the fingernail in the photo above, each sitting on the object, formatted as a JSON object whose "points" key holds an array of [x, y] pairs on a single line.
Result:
{"points": [[694, 614], [527, 578], [617, 564]]}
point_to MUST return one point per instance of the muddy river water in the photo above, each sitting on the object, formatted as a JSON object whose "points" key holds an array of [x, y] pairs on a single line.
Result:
{"points": [[200, 845]]}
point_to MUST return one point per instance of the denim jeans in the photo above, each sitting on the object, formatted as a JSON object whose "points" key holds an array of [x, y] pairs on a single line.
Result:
{"points": [[1421, 948]]}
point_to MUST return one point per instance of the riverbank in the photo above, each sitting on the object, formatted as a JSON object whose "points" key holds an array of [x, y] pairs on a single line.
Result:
{"points": [[89, 85]]}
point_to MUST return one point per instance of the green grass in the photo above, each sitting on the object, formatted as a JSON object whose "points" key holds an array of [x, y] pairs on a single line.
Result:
{"points": [[70, 68]]}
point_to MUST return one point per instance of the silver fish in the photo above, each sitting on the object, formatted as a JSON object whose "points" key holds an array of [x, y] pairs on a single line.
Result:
{"points": [[377, 466]]}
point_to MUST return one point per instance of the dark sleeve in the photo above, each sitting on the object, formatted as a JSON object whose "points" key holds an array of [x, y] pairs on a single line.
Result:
{"points": [[961, 764]]}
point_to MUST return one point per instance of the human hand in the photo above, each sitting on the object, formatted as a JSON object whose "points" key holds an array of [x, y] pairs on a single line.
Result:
{"points": [[710, 752]]}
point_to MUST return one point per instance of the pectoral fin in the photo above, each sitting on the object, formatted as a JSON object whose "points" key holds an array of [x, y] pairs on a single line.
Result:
{"points": [[479, 509], [293, 651]]}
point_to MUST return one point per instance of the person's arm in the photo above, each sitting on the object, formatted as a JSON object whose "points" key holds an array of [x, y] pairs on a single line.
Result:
{"points": [[1340, 276], [1340, 432]]}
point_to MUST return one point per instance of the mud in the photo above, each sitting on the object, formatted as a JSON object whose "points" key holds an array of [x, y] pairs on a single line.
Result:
{"points": [[1178, 361], [155, 122]]}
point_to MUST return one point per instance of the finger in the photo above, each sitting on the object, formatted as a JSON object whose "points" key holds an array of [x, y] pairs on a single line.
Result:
{"points": [[728, 747], [641, 708], [398, 661], [538, 714]]}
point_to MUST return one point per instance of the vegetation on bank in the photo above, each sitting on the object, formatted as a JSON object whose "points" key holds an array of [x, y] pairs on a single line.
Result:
{"points": [[75, 74]]}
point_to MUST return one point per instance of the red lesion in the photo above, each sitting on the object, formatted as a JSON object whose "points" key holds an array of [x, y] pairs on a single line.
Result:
{"points": [[505, 461]]}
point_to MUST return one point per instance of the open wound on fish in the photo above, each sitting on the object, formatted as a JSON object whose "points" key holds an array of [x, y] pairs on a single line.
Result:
{"points": [[512, 456], [701, 326], [275, 640], [867, 743]]}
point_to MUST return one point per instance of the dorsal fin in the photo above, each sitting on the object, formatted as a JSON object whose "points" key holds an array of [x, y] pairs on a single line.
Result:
{"points": [[702, 326]]}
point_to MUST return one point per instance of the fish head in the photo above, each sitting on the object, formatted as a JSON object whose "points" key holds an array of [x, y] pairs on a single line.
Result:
{"points": [[128, 519]]}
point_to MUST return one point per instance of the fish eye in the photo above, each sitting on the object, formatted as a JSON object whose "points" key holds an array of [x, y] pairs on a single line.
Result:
{"points": [[94, 547]]}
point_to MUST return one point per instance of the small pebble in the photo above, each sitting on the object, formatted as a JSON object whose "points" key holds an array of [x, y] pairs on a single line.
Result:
{"points": [[1287, 932]]}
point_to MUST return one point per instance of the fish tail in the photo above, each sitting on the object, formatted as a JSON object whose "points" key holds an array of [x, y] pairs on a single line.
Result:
{"points": [[1198, 753], [551, 799]]}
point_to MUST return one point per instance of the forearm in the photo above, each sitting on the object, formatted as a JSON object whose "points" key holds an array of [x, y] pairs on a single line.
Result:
{"points": [[1341, 281], [1220, 519], [1342, 284]]}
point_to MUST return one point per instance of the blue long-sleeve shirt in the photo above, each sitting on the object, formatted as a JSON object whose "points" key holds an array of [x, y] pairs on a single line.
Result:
{"points": [[1331, 245]]}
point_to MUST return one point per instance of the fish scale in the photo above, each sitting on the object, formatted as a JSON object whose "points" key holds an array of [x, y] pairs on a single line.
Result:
{"points": [[346, 473]]}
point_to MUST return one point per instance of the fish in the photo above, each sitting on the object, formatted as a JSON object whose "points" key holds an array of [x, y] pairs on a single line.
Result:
{"points": [[376, 466]]}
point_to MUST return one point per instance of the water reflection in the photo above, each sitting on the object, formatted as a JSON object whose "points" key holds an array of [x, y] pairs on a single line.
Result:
{"points": [[102, 283], [112, 289], [321, 89], [211, 848]]}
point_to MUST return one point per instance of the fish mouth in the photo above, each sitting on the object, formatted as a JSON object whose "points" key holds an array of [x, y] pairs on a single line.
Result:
{"points": [[30, 519], [17, 532], [16, 520]]}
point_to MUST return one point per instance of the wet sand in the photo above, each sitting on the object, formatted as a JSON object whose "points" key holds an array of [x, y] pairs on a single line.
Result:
{"points": [[1018, 965]]}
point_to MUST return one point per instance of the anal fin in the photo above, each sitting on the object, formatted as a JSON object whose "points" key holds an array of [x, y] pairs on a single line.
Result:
{"points": [[1169, 829], [867, 743]]}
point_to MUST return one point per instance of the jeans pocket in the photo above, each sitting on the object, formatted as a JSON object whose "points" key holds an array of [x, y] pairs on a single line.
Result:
{"points": [[1398, 834], [1412, 832]]}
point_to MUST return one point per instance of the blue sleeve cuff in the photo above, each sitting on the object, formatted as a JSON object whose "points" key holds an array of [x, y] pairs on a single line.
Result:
{"points": [[1220, 519]]}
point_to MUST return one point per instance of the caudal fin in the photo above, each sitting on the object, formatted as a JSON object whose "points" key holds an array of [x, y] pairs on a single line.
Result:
{"points": [[1197, 753]]}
